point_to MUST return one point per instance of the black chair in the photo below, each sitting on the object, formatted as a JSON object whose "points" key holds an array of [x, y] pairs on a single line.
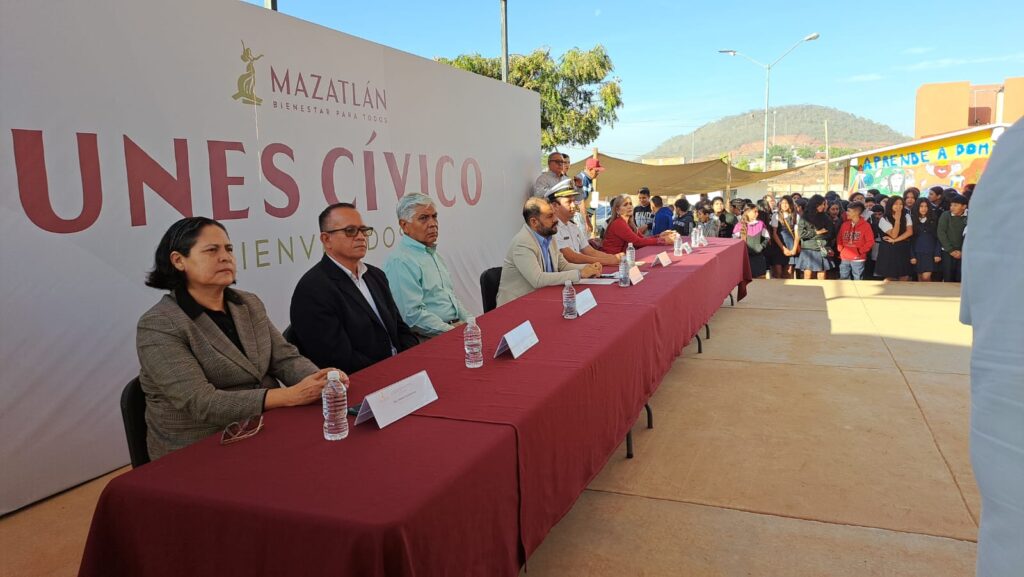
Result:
{"points": [[489, 281], [289, 335], [133, 413]]}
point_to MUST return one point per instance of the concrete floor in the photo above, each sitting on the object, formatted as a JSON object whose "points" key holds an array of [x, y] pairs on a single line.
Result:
{"points": [[823, 432]]}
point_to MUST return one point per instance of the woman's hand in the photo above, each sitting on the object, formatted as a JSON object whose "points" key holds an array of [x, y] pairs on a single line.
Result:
{"points": [[913, 261], [308, 389], [303, 392], [821, 231], [938, 259]]}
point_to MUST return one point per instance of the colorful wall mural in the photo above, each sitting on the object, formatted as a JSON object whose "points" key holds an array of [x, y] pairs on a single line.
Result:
{"points": [[949, 162]]}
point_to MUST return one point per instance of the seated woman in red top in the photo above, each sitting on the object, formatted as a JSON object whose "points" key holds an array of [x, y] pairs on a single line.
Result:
{"points": [[620, 231]]}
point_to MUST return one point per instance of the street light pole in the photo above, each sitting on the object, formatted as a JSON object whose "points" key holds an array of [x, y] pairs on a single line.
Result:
{"points": [[504, 40], [767, 85]]}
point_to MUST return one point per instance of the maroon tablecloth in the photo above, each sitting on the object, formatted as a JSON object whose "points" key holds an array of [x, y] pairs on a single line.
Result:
{"points": [[423, 496], [465, 486], [572, 397]]}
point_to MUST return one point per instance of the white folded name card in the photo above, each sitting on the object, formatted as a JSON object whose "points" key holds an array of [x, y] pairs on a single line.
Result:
{"points": [[585, 301], [662, 259], [517, 340], [635, 276], [687, 248], [397, 400]]}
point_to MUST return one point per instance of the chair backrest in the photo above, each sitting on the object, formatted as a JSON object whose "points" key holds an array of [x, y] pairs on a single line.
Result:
{"points": [[489, 281], [133, 413], [289, 335]]}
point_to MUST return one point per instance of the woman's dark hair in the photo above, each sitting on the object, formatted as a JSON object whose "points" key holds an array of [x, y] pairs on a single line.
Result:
{"points": [[914, 191], [931, 223], [683, 205], [180, 238], [896, 222], [811, 214]]}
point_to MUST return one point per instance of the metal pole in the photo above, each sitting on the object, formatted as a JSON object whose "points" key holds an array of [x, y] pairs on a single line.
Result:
{"points": [[594, 199], [767, 85], [828, 163], [504, 40], [693, 135]]}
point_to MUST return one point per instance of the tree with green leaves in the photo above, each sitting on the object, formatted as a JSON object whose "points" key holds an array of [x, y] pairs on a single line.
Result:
{"points": [[577, 94], [806, 152]]}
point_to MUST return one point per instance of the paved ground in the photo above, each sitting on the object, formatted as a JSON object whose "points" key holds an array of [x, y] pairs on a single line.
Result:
{"points": [[823, 432]]}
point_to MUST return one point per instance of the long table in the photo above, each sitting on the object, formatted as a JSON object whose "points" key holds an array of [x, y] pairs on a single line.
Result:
{"points": [[468, 485]]}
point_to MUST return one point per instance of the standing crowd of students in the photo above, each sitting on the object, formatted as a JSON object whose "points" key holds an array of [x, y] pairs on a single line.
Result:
{"points": [[867, 236]]}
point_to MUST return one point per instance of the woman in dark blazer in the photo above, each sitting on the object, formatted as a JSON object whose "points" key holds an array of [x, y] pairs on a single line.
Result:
{"points": [[209, 355]]}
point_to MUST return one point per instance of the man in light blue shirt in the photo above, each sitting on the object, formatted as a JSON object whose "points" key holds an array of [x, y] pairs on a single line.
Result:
{"points": [[418, 276]]}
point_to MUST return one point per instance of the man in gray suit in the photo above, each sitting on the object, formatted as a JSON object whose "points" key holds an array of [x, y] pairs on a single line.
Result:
{"points": [[533, 259]]}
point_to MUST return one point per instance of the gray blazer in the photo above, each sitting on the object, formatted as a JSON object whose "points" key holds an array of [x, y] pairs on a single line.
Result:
{"points": [[196, 380], [523, 270]]}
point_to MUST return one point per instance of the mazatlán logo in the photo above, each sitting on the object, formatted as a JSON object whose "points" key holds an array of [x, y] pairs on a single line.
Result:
{"points": [[247, 81]]}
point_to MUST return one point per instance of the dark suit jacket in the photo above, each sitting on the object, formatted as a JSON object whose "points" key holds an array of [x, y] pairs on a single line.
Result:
{"points": [[334, 326]]}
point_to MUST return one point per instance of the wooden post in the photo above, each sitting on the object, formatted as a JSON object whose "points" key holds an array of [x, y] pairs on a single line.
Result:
{"points": [[728, 180]]}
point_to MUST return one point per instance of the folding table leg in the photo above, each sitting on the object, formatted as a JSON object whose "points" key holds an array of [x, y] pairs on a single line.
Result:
{"points": [[707, 331], [732, 302], [650, 416], [700, 344], [629, 445]]}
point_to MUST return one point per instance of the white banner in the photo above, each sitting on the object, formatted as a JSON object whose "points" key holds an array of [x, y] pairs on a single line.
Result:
{"points": [[118, 117]]}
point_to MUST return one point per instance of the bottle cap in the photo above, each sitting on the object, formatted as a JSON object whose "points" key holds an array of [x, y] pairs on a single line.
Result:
{"points": [[568, 283], [333, 375], [470, 320]]}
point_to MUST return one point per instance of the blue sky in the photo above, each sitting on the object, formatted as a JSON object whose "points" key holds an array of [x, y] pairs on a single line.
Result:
{"points": [[870, 59]]}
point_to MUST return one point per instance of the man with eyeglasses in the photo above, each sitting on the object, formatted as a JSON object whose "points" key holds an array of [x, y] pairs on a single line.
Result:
{"points": [[418, 275], [343, 314], [550, 177], [571, 241]]}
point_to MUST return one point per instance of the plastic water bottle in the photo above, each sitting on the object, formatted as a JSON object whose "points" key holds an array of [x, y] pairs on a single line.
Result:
{"points": [[624, 272], [569, 301], [677, 246], [472, 340], [694, 237], [335, 399], [631, 255]]}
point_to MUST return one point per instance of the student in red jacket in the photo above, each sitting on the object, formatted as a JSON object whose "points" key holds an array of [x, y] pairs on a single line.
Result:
{"points": [[620, 231], [854, 242]]}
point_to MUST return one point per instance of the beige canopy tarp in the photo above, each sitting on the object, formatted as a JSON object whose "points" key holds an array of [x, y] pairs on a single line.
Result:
{"points": [[621, 176]]}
